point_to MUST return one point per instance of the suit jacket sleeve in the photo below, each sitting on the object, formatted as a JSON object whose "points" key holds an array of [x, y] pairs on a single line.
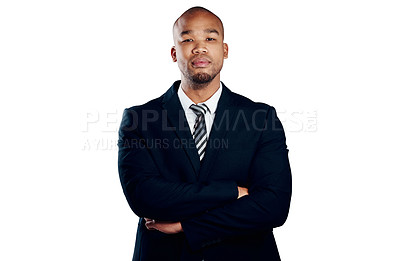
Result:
{"points": [[267, 204], [149, 194]]}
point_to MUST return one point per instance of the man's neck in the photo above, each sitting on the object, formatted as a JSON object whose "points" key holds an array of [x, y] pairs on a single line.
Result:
{"points": [[200, 93]]}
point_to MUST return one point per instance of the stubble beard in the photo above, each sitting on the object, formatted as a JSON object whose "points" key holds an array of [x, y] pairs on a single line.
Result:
{"points": [[200, 80]]}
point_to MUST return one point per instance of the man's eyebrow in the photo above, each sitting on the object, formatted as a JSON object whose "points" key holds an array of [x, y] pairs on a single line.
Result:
{"points": [[210, 30], [186, 32]]}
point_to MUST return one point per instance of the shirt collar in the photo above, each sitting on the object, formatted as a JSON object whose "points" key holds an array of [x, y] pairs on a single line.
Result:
{"points": [[211, 103]]}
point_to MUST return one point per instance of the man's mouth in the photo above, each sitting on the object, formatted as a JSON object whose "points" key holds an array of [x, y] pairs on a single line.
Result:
{"points": [[200, 62]]}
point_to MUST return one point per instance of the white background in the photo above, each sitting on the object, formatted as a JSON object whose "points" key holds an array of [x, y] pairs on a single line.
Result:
{"points": [[69, 68]]}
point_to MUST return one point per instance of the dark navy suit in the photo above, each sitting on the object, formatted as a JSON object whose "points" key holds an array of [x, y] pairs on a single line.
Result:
{"points": [[163, 179]]}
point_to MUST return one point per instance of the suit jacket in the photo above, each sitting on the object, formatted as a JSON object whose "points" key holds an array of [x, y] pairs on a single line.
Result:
{"points": [[163, 179]]}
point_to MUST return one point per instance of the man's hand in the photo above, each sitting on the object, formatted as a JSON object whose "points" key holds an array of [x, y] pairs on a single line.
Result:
{"points": [[165, 227], [242, 192]]}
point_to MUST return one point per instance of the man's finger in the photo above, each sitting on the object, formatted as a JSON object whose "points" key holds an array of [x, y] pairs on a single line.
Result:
{"points": [[150, 225], [150, 222]]}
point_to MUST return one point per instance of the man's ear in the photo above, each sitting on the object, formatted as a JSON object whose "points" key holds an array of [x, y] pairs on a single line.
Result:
{"points": [[173, 54], [226, 50]]}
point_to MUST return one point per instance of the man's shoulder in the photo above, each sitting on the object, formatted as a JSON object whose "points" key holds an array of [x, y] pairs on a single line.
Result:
{"points": [[154, 104], [242, 102], [157, 103]]}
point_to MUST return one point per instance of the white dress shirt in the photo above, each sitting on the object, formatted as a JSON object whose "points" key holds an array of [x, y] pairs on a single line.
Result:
{"points": [[211, 103]]}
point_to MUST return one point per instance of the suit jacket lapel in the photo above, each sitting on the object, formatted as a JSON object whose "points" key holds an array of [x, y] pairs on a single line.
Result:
{"points": [[177, 119], [223, 116]]}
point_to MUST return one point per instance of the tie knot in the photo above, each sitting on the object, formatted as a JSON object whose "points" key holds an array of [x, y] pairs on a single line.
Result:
{"points": [[199, 109]]}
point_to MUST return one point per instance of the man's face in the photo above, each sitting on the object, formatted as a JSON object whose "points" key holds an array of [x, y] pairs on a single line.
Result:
{"points": [[199, 48]]}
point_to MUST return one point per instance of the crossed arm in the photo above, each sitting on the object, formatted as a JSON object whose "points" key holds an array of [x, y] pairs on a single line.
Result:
{"points": [[176, 227], [216, 210]]}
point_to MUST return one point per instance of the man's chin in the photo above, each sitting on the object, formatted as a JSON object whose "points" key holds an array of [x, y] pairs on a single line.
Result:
{"points": [[202, 78]]}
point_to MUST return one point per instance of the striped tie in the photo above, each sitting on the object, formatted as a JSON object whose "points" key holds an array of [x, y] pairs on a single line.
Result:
{"points": [[200, 131]]}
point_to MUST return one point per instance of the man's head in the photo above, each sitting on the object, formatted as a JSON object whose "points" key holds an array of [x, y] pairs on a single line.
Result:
{"points": [[199, 46]]}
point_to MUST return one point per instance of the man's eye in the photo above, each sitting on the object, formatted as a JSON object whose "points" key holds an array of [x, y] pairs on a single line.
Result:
{"points": [[210, 39], [187, 40]]}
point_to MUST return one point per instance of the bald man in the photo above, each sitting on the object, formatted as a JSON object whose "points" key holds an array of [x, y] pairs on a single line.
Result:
{"points": [[205, 169]]}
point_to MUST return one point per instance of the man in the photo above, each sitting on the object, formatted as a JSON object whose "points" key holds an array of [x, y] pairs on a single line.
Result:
{"points": [[205, 169]]}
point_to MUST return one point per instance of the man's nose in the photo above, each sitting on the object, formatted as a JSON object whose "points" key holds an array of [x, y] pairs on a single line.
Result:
{"points": [[200, 49]]}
